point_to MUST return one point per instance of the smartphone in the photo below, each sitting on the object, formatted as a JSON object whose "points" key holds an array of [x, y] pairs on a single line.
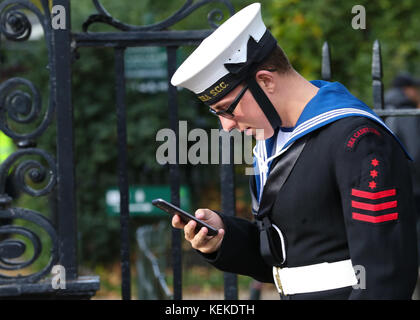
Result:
{"points": [[185, 216]]}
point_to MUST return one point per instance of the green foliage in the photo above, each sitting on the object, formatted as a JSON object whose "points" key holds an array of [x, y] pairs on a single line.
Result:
{"points": [[302, 26]]}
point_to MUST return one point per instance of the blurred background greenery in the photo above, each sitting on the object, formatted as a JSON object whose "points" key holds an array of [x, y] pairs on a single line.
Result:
{"points": [[300, 26]]}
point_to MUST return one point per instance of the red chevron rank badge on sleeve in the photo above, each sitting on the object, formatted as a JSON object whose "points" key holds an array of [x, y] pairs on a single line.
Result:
{"points": [[373, 205]]}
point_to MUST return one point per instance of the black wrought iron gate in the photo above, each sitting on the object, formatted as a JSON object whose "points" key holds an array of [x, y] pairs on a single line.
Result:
{"points": [[59, 173], [62, 44]]}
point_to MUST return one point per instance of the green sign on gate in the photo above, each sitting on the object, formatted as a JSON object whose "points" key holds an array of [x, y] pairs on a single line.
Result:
{"points": [[140, 200], [146, 69]]}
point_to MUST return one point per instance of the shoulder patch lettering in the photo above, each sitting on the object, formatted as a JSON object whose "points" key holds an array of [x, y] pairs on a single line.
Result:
{"points": [[357, 134]]}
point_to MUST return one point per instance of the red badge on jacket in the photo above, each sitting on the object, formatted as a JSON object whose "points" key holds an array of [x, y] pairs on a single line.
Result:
{"points": [[372, 205]]}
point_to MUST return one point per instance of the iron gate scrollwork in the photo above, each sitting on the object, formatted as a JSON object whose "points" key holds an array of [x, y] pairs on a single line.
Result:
{"points": [[189, 7], [34, 171], [23, 107]]}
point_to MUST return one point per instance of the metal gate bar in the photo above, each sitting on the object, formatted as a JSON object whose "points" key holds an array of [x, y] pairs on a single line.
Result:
{"points": [[122, 172], [174, 175], [227, 187], [66, 189]]}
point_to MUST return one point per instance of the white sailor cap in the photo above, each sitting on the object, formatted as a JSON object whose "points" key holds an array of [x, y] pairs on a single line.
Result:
{"points": [[226, 57]]}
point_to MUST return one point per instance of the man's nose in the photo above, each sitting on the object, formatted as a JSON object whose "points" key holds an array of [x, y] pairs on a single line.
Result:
{"points": [[227, 124]]}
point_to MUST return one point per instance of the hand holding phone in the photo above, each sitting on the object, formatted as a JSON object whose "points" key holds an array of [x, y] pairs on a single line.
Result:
{"points": [[185, 216]]}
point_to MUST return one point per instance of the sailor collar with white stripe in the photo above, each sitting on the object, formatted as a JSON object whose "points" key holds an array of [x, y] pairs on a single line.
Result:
{"points": [[331, 103]]}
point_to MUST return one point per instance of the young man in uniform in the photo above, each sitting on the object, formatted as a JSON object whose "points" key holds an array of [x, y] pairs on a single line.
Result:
{"points": [[331, 192]]}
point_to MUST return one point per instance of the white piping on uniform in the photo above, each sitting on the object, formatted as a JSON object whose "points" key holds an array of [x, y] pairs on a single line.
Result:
{"points": [[283, 246], [263, 161]]}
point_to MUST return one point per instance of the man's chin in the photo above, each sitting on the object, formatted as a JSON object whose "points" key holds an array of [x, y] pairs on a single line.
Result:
{"points": [[259, 134]]}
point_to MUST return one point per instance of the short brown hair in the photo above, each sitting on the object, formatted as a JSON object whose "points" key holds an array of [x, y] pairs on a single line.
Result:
{"points": [[276, 60]]}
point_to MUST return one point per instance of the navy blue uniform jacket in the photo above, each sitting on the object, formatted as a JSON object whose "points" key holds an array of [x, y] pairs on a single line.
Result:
{"points": [[349, 196]]}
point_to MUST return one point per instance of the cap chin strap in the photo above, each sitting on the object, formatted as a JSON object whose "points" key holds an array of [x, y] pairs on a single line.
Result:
{"points": [[264, 103]]}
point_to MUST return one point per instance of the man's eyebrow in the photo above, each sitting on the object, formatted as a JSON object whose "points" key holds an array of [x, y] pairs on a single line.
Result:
{"points": [[219, 106]]}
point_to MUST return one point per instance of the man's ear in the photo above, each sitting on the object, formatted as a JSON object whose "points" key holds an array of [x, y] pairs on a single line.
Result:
{"points": [[266, 80]]}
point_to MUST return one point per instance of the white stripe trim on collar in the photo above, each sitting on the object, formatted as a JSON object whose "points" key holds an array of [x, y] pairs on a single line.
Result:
{"points": [[310, 123], [330, 114]]}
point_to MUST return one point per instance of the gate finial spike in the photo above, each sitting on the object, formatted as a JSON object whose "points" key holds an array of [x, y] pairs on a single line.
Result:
{"points": [[376, 61], [377, 86], [326, 62]]}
